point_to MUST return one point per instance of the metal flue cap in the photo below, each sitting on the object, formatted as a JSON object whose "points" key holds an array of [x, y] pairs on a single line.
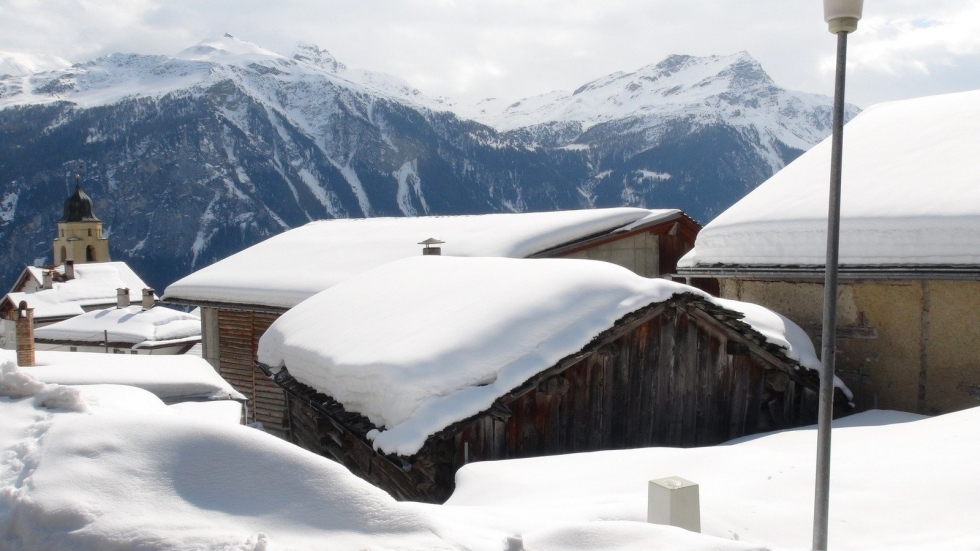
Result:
{"points": [[842, 15], [429, 249], [431, 241]]}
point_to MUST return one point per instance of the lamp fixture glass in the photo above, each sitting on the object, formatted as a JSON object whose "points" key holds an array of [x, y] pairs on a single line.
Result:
{"points": [[842, 15]]}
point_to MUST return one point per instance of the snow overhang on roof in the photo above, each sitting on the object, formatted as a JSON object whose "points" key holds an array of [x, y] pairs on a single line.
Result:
{"points": [[910, 200], [459, 333], [131, 326], [286, 269], [94, 285], [171, 378]]}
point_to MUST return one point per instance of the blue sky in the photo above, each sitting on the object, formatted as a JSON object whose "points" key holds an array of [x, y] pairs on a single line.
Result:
{"points": [[472, 49]]}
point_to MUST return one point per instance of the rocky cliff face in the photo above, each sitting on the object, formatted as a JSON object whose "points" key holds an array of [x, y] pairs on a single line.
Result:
{"points": [[192, 157]]}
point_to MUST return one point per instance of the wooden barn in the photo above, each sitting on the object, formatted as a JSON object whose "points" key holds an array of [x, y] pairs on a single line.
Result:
{"points": [[672, 368], [242, 295]]}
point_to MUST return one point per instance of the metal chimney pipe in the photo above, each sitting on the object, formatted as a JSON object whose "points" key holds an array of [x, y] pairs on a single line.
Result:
{"points": [[122, 298], [430, 248], [148, 300], [25, 335], [47, 279], [69, 269]]}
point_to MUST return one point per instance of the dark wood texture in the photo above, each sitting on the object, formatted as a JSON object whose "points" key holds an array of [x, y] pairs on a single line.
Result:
{"points": [[238, 339], [682, 373]]}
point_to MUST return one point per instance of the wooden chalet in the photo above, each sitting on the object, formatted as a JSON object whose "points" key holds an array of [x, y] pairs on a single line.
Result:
{"points": [[681, 372], [242, 295]]}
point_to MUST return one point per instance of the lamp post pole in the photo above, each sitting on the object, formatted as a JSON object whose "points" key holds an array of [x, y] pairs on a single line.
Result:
{"points": [[842, 17]]}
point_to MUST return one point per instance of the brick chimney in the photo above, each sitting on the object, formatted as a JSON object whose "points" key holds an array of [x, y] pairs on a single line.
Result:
{"points": [[122, 298], [69, 269], [25, 335], [148, 300], [47, 279]]}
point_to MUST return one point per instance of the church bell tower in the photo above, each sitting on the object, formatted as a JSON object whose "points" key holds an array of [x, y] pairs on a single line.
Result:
{"points": [[80, 232]]}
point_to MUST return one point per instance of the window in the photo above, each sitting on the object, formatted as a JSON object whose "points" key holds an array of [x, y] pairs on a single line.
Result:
{"points": [[90, 253], [64, 255]]}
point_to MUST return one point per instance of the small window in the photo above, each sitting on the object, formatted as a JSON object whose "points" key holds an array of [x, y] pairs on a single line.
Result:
{"points": [[90, 232], [133, 352], [73, 349], [90, 253]]}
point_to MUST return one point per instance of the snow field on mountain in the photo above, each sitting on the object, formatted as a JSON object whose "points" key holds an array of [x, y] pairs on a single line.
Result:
{"points": [[910, 195], [461, 332], [116, 469]]}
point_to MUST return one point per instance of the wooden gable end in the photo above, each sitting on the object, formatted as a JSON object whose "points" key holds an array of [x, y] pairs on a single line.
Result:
{"points": [[682, 373]]}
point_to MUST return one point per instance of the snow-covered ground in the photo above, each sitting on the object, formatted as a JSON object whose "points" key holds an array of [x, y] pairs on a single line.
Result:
{"points": [[105, 467]]}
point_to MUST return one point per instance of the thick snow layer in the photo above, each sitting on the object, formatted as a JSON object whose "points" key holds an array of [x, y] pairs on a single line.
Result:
{"points": [[898, 481], [132, 474], [293, 266], [126, 325], [218, 411], [910, 195], [169, 377], [458, 333], [127, 472], [94, 284]]}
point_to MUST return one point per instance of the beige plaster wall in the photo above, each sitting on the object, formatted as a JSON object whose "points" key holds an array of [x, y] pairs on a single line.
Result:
{"points": [[639, 253], [75, 250], [906, 345]]}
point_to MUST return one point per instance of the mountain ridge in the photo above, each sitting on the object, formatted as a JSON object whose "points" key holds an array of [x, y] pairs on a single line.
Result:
{"points": [[227, 143]]}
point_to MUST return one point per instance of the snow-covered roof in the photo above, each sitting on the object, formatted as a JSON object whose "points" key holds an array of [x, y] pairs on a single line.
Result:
{"points": [[171, 378], [157, 326], [94, 284], [286, 269], [910, 195], [424, 342]]}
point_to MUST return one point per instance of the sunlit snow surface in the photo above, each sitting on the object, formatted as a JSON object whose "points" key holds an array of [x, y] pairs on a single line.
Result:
{"points": [[118, 470], [288, 268], [421, 343], [910, 195]]}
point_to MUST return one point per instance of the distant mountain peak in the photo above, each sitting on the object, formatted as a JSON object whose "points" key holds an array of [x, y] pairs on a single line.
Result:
{"points": [[21, 64], [313, 54], [224, 48]]}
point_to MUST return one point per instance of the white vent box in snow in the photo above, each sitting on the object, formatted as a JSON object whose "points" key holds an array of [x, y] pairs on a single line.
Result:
{"points": [[674, 501]]}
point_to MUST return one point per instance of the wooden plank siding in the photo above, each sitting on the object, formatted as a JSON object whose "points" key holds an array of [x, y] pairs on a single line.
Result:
{"points": [[677, 375], [238, 339]]}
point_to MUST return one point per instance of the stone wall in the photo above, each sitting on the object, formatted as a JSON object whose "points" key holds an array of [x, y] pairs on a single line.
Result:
{"points": [[906, 345]]}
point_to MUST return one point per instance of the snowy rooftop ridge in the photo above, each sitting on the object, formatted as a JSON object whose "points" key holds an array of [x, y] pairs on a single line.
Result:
{"points": [[132, 325], [286, 269], [459, 333], [94, 284], [910, 195]]}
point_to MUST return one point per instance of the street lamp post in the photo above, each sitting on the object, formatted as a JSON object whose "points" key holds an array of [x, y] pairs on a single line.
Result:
{"points": [[842, 18]]}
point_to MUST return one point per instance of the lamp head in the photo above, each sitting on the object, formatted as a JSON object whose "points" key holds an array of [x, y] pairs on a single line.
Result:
{"points": [[842, 15]]}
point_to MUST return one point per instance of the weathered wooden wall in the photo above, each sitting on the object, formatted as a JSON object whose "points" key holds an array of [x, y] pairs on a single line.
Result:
{"points": [[238, 339], [679, 376]]}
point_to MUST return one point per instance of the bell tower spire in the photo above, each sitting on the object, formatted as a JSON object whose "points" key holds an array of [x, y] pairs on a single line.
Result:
{"points": [[80, 231]]}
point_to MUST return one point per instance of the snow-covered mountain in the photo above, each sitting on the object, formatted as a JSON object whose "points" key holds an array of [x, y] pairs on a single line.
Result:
{"points": [[19, 64], [193, 156]]}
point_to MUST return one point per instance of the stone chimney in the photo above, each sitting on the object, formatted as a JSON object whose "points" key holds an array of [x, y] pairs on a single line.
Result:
{"points": [[47, 279], [148, 301], [122, 298], [25, 335], [69, 269]]}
